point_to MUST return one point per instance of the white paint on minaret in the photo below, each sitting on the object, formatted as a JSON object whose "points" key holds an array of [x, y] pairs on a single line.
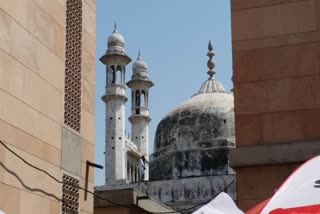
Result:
{"points": [[115, 60], [139, 118]]}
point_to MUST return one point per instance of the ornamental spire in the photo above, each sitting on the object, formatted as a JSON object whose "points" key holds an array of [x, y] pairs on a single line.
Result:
{"points": [[139, 55], [115, 28], [210, 62]]}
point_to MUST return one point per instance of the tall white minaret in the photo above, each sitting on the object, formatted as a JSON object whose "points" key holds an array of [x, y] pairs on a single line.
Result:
{"points": [[115, 60], [139, 85]]}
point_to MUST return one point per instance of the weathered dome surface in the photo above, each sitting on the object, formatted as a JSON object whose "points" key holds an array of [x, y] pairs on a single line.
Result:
{"points": [[115, 39], [140, 74], [116, 46], [140, 69], [194, 139], [139, 65], [203, 118]]}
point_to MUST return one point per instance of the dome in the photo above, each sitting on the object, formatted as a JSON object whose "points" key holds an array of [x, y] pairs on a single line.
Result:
{"points": [[195, 137], [140, 69], [115, 39], [115, 48], [139, 76], [139, 65], [203, 118]]}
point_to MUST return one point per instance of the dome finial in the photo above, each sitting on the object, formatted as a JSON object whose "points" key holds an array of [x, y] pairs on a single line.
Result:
{"points": [[139, 55], [115, 28], [210, 62]]}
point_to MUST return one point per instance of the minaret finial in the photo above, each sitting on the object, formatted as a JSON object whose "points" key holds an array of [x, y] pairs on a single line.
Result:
{"points": [[139, 54], [210, 62], [115, 27]]}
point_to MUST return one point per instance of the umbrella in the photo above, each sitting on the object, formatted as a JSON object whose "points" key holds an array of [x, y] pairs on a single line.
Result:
{"points": [[300, 193], [222, 204]]}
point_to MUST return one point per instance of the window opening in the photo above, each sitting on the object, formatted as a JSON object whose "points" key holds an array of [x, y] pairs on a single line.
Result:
{"points": [[143, 98]]}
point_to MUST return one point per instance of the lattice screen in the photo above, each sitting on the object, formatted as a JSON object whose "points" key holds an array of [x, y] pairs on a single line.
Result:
{"points": [[72, 98], [70, 195]]}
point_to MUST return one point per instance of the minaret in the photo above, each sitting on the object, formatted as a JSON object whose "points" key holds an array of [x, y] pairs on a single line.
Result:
{"points": [[139, 85], [115, 60]]}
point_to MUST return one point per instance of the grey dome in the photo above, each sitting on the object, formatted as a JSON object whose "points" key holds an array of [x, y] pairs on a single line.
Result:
{"points": [[194, 138], [140, 68], [139, 65], [203, 118], [115, 39], [115, 47]]}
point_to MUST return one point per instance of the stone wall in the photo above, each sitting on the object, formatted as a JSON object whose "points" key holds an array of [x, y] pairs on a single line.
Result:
{"points": [[189, 163], [276, 90], [183, 193], [32, 75]]}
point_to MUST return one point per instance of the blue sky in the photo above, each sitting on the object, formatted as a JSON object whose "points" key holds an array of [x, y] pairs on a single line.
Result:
{"points": [[173, 38]]}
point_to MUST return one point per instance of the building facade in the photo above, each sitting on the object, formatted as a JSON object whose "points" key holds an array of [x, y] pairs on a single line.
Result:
{"points": [[189, 164], [276, 89], [47, 80]]}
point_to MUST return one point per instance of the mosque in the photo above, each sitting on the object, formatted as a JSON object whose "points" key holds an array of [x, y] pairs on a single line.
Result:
{"points": [[275, 51], [190, 162], [276, 74]]}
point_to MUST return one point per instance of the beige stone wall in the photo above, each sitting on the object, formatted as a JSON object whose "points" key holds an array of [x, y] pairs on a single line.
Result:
{"points": [[276, 50], [32, 68]]}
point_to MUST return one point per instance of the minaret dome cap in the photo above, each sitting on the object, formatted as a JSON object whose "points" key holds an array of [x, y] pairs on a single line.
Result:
{"points": [[115, 39], [139, 65]]}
